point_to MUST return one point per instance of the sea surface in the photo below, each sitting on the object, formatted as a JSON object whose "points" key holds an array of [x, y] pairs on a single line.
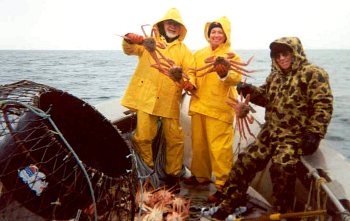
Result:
{"points": [[96, 76]]}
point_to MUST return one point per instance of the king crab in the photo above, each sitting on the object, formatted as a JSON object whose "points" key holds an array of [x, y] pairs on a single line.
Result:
{"points": [[225, 63], [174, 72], [243, 118], [149, 42]]}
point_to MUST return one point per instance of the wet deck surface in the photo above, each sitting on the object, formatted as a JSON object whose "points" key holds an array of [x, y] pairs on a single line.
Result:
{"points": [[199, 197]]}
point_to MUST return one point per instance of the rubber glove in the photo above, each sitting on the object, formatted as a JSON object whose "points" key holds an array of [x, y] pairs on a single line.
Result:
{"points": [[310, 143], [188, 86], [244, 88], [132, 38]]}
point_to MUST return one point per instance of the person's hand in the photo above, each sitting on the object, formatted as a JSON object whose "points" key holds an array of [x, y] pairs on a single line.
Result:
{"points": [[309, 143], [188, 86], [244, 88], [132, 38]]}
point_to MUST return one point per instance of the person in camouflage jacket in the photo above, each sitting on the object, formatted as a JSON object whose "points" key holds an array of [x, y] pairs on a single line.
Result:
{"points": [[298, 105]]}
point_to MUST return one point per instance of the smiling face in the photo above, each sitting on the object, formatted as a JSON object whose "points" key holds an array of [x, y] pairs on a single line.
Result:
{"points": [[171, 28], [284, 60], [216, 37], [283, 56]]}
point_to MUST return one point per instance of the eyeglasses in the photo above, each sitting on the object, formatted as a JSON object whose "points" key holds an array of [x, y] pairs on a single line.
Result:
{"points": [[172, 22], [277, 55]]}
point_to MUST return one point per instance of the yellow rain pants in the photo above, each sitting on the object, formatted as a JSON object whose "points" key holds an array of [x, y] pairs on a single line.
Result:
{"points": [[146, 131], [212, 152]]}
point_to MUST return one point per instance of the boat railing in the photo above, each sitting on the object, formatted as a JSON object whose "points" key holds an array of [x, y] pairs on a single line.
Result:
{"points": [[344, 213]]}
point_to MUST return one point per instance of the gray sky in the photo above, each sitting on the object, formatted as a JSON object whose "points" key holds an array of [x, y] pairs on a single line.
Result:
{"points": [[96, 24]]}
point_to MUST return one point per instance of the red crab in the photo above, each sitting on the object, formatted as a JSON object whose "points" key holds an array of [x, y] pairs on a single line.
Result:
{"points": [[221, 64], [149, 42], [243, 118], [174, 72]]}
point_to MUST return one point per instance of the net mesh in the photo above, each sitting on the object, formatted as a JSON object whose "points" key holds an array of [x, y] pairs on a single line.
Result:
{"points": [[60, 158]]}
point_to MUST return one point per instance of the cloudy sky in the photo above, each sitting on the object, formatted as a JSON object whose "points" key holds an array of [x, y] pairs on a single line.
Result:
{"points": [[96, 24]]}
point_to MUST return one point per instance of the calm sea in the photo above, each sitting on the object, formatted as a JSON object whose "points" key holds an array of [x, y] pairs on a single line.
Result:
{"points": [[96, 76]]}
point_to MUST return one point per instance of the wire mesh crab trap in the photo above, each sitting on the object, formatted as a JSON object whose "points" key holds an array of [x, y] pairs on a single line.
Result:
{"points": [[60, 158]]}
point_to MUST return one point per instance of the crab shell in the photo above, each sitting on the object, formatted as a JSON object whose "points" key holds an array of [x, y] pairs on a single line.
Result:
{"points": [[175, 73], [150, 44]]}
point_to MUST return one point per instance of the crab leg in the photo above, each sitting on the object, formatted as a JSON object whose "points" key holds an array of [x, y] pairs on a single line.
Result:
{"points": [[241, 128], [143, 29], [241, 70], [242, 63], [210, 59], [207, 72], [159, 68], [247, 98], [250, 120], [168, 60], [230, 55], [202, 68]]}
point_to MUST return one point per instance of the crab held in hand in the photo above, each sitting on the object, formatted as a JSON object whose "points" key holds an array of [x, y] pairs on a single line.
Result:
{"points": [[243, 118], [222, 64], [149, 42], [175, 73]]}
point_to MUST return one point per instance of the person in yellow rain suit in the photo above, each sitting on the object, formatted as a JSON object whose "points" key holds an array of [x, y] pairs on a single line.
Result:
{"points": [[212, 118], [154, 96]]}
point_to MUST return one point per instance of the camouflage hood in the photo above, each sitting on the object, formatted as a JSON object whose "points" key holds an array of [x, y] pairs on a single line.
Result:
{"points": [[299, 56]]}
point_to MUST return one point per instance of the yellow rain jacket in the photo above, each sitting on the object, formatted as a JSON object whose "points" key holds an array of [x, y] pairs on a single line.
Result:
{"points": [[154, 95], [212, 91], [150, 90], [212, 117]]}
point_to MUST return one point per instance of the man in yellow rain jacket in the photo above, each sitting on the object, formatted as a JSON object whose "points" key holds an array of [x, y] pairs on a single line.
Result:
{"points": [[212, 117], [153, 95]]}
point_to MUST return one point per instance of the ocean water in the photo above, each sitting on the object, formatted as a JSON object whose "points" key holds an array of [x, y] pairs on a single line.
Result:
{"points": [[96, 76]]}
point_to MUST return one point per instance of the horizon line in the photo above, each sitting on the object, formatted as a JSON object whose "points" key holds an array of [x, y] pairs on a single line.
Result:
{"points": [[242, 49]]}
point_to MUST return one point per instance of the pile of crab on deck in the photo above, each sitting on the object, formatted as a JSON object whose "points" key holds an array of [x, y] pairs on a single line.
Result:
{"points": [[159, 204]]}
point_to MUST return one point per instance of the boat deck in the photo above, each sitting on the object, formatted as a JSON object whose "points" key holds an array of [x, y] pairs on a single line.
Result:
{"points": [[199, 195]]}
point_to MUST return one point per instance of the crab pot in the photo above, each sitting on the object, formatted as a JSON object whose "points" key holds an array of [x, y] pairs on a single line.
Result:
{"points": [[38, 169]]}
